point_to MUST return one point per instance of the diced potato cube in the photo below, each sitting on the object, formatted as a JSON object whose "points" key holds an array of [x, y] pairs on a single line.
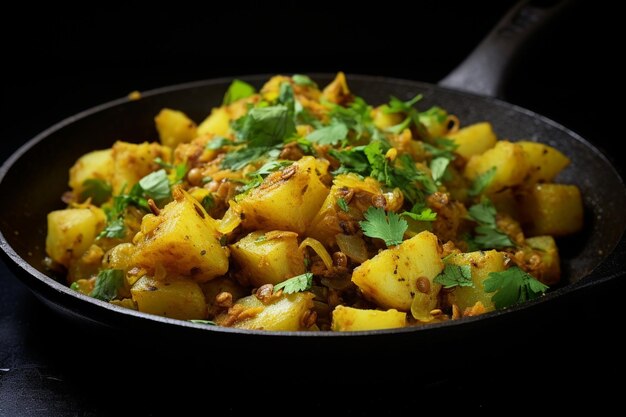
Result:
{"points": [[286, 200], [384, 120], [544, 160], [509, 160], [72, 231], [390, 278], [268, 257], [474, 139], [353, 319], [174, 127], [327, 223], [337, 91], [217, 123], [481, 264], [132, 162], [182, 239], [92, 165], [549, 270], [552, 209], [174, 297], [285, 313]]}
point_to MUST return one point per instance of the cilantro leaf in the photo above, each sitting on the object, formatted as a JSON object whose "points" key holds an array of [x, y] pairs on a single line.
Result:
{"points": [[329, 135], [482, 181], [156, 186], [296, 284], [420, 212], [438, 167], [208, 202], [98, 190], [488, 235], [433, 116], [398, 106], [267, 126], [513, 286], [108, 282], [455, 276], [303, 80], [115, 227], [388, 227], [218, 142], [343, 205], [237, 90]]}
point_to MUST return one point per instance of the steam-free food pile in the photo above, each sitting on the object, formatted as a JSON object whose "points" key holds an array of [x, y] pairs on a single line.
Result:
{"points": [[300, 208]]}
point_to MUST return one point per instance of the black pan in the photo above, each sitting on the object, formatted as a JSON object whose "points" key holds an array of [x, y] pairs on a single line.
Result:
{"points": [[35, 181]]}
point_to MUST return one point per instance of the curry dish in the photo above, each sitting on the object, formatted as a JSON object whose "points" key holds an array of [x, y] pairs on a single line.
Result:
{"points": [[305, 208]]}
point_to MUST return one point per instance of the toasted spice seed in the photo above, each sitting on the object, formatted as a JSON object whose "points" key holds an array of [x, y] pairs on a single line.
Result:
{"points": [[378, 200], [308, 319], [340, 259], [423, 285], [153, 207], [224, 299], [346, 193], [265, 292], [288, 172], [194, 176]]}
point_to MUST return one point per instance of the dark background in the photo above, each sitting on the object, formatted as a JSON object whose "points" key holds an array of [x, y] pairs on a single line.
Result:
{"points": [[58, 62]]}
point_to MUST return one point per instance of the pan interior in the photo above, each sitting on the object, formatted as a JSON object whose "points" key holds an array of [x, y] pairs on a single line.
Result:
{"points": [[34, 182]]}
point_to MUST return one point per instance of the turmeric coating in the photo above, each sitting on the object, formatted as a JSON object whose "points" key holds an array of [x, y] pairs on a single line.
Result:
{"points": [[299, 208]]}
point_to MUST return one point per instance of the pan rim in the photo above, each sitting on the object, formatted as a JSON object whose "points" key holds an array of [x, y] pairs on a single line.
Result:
{"points": [[63, 290]]}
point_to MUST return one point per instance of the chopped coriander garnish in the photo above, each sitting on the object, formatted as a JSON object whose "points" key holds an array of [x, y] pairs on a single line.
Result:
{"points": [[303, 80], [156, 186], [488, 235], [513, 286], [98, 190], [108, 282], [389, 227], [329, 135], [343, 205], [420, 212], [218, 142], [455, 276], [237, 90], [482, 181], [438, 167], [298, 283]]}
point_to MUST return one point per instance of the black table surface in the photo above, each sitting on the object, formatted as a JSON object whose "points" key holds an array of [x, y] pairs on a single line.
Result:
{"points": [[52, 367]]}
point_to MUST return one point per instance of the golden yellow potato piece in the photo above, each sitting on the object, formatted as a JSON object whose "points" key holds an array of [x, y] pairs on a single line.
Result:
{"points": [[72, 231], [347, 319], [268, 257], [286, 200], [474, 139], [509, 160], [174, 297], [182, 239], [552, 209], [481, 264], [174, 127], [390, 278], [545, 162], [93, 165]]}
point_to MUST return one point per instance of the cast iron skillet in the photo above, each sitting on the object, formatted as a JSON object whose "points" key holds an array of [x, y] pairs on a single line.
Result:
{"points": [[32, 183]]}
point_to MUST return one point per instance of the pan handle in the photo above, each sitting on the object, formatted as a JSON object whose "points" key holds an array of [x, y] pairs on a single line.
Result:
{"points": [[485, 70]]}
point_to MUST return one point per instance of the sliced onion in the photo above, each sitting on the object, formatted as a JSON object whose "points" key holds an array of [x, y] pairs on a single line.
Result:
{"points": [[231, 219], [353, 246], [319, 249]]}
